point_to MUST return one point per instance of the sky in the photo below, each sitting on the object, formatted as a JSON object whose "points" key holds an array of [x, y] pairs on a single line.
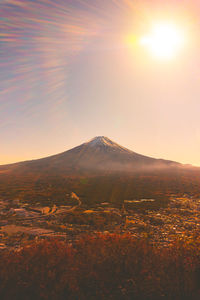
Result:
{"points": [[71, 70]]}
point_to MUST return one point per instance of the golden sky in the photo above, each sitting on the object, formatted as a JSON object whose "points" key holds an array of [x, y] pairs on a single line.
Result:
{"points": [[72, 70]]}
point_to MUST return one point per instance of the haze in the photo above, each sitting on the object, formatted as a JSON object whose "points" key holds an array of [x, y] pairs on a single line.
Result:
{"points": [[69, 72]]}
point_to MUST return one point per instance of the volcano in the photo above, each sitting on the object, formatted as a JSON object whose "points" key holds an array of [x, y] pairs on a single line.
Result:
{"points": [[98, 155], [97, 170]]}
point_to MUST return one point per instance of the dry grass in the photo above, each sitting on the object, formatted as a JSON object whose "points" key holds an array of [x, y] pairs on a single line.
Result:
{"points": [[101, 267]]}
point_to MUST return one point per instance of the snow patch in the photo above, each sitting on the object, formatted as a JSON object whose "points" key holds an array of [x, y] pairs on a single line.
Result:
{"points": [[106, 142], [99, 140]]}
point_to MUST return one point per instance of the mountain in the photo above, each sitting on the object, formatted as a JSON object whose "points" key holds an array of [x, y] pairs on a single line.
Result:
{"points": [[98, 155], [97, 171]]}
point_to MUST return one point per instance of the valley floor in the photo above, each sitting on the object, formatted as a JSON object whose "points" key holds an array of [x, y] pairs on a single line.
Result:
{"points": [[22, 222]]}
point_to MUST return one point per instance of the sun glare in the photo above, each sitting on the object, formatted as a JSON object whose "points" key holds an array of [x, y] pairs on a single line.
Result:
{"points": [[164, 41]]}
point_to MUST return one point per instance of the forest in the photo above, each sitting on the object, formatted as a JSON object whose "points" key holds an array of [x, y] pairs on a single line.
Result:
{"points": [[55, 188]]}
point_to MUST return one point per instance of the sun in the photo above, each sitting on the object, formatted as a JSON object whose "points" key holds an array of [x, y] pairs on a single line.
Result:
{"points": [[164, 41]]}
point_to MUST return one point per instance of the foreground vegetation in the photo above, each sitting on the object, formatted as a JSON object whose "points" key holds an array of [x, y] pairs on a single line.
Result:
{"points": [[105, 266]]}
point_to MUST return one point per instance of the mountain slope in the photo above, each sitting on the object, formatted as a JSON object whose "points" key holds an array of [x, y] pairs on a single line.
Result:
{"points": [[97, 171], [98, 155]]}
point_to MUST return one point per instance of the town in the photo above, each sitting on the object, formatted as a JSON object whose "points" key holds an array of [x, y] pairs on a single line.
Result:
{"points": [[22, 222]]}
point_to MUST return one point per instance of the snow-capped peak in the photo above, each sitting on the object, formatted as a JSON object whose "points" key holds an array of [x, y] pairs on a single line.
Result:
{"points": [[99, 140], [106, 142]]}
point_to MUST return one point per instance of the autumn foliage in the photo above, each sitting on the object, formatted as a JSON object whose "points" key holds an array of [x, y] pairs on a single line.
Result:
{"points": [[101, 267]]}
